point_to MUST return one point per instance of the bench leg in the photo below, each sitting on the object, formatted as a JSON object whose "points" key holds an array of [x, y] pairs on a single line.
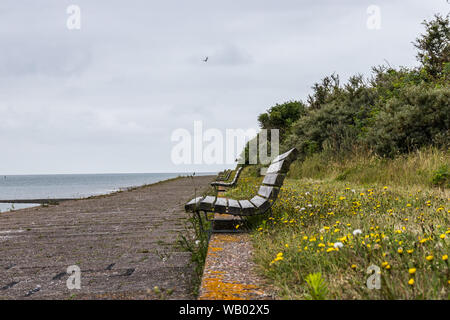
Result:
{"points": [[200, 221]]}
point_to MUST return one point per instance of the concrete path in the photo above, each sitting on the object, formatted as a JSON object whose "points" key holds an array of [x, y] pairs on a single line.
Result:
{"points": [[124, 244], [230, 273]]}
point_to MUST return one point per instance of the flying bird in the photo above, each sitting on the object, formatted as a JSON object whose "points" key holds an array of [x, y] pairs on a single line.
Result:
{"points": [[206, 59]]}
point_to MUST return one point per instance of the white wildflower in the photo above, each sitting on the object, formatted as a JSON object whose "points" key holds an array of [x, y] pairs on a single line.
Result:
{"points": [[338, 245]]}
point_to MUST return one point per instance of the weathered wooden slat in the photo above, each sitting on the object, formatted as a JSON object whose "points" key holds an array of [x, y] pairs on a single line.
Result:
{"points": [[260, 203], [275, 167], [273, 179], [234, 207], [290, 156], [268, 192], [207, 203], [279, 167], [247, 207], [192, 205], [221, 205]]}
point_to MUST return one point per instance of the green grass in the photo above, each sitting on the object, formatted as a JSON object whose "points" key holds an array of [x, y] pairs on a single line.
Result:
{"points": [[423, 168], [310, 217], [404, 224]]}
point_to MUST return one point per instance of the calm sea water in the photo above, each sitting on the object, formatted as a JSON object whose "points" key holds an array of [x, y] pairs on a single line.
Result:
{"points": [[14, 187]]}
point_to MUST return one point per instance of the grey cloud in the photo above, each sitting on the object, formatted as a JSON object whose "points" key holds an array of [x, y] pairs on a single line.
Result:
{"points": [[59, 59], [107, 97]]}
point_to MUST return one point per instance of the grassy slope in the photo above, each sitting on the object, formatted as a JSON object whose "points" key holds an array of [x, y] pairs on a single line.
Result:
{"points": [[416, 169], [404, 224]]}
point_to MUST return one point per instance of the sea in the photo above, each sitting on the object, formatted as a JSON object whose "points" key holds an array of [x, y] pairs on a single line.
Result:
{"points": [[54, 186]]}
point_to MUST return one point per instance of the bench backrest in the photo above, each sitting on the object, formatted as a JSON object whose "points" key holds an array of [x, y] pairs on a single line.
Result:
{"points": [[274, 178]]}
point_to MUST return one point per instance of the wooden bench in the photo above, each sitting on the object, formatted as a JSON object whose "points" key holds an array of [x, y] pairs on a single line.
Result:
{"points": [[224, 176], [216, 184], [259, 204]]}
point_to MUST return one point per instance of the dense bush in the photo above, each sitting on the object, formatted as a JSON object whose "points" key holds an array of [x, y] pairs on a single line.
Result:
{"points": [[282, 116], [418, 116], [394, 111]]}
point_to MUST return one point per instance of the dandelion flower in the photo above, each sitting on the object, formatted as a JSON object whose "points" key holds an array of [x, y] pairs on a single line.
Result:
{"points": [[429, 258], [445, 257], [411, 282], [412, 270]]}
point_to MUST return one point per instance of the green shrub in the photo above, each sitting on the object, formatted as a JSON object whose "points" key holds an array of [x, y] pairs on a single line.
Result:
{"points": [[411, 120], [441, 177]]}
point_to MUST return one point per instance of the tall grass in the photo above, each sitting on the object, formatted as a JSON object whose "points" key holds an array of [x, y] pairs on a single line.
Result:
{"points": [[419, 168]]}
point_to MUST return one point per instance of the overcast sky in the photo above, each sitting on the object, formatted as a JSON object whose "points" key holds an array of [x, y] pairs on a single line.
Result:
{"points": [[106, 98]]}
